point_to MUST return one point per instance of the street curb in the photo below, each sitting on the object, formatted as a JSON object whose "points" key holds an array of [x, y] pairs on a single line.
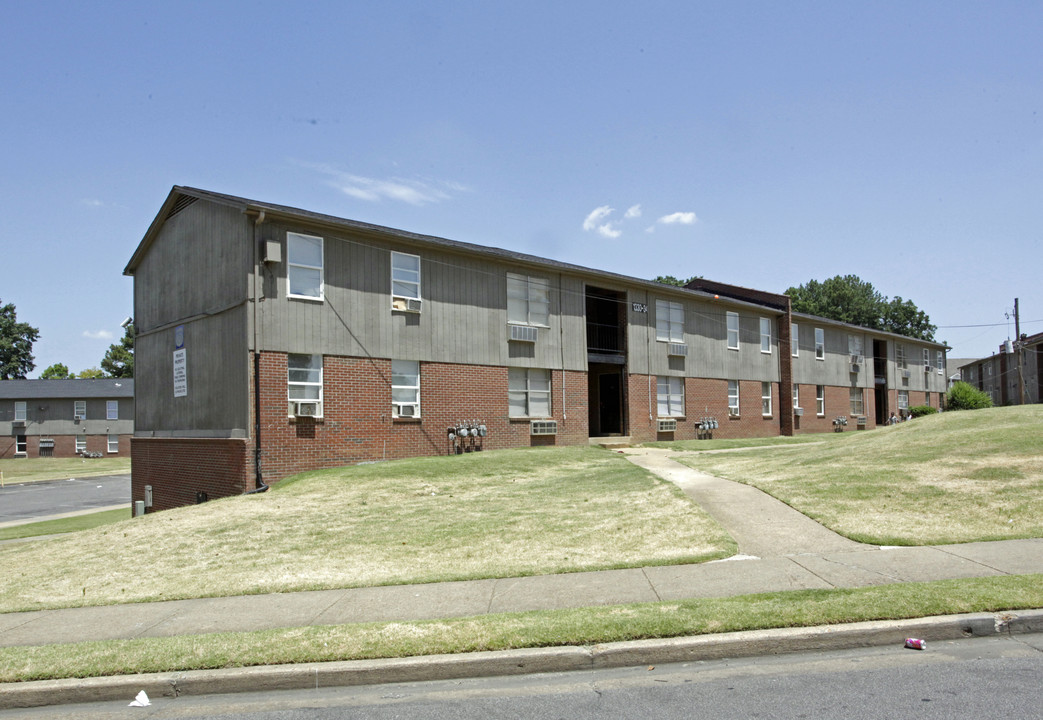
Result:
{"points": [[518, 662]]}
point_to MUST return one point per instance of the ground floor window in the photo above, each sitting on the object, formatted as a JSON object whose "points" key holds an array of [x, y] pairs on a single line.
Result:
{"points": [[114, 443], [820, 400], [21, 447], [528, 392], [927, 399], [796, 396], [733, 397], [81, 444], [670, 396], [766, 399], [304, 384], [405, 388], [857, 404], [903, 399]]}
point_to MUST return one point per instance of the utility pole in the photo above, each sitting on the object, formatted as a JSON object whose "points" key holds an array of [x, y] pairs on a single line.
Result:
{"points": [[1019, 349]]}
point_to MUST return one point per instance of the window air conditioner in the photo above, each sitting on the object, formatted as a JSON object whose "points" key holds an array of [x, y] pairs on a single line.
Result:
{"points": [[906, 374], [543, 427], [668, 425], [855, 367], [405, 410], [413, 305], [678, 349], [857, 359], [928, 368], [799, 412], [524, 333], [307, 409], [733, 412]]}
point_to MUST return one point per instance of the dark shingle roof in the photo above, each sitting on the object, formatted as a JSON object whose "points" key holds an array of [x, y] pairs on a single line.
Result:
{"points": [[72, 389]]}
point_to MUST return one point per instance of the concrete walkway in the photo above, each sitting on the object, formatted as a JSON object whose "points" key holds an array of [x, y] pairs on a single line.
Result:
{"points": [[780, 549]]}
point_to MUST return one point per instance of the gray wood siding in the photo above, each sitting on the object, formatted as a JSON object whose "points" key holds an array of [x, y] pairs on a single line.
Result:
{"points": [[54, 416], [463, 317]]}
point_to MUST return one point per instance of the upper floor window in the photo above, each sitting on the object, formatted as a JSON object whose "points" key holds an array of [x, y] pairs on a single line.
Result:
{"points": [[112, 409], [669, 321], [940, 355], [79, 410], [765, 335], [926, 357], [900, 359], [733, 331], [405, 388], [820, 344], [528, 300], [19, 411], [794, 339], [304, 257], [405, 276], [854, 345], [670, 396], [528, 392]]}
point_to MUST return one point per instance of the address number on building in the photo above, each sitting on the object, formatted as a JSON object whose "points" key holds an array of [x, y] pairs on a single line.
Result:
{"points": [[640, 307]]}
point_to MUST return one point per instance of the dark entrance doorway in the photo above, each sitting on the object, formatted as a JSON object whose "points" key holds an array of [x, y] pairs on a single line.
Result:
{"points": [[606, 361], [605, 386], [880, 380]]}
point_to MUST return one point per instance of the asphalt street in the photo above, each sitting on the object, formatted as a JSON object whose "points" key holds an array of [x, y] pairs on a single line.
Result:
{"points": [[53, 497]]}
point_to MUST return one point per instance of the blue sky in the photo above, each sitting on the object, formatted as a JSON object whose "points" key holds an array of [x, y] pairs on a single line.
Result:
{"points": [[758, 143]]}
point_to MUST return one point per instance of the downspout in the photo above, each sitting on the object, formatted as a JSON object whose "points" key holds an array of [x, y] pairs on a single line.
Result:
{"points": [[261, 487]]}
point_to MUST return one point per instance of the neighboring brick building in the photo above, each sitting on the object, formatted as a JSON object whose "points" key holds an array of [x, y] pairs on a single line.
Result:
{"points": [[65, 418], [1003, 374], [272, 340]]}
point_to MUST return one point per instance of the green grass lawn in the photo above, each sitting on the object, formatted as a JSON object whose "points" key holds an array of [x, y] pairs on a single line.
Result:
{"points": [[21, 470], [64, 525], [493, 514], [947, 478]]}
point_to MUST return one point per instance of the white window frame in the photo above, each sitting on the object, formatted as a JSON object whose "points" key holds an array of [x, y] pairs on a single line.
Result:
{"points": [[733, 397], [820, 344], [669, 321], [794, 339], [304, 383], [940, 357], [112, 409], [113, 444], [903, 399], [796, 396], [766, 335], [670, 396], [732, 318], [405, 279], [20, 414], [766, 399], [901, 362], [855, 345], [927, 398], [295, 244], [926, 356], [79, 410], [21, 445], [405, 386], [861, 401], [526, 393], [81, 444], [524, 300], [820, 400]]}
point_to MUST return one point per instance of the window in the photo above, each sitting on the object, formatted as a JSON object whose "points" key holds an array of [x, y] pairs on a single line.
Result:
{"points": [[900, 360], [765, 335], [670, 396], [854, 345], [733, 397], [926, 357], [794, 339], [114, 443], [81, 444], [405, 388], [766, 399], [820, 400], [796, 395], [857, 406], [405, 276], [669, 321], [528, 392], [112, 409], [21, 447], [304, 265], [820, 344], [927, 399], [940, 361], [903, 399], [528, 300], [304, 381], [733, 331], [19, 411], [79, 410]]}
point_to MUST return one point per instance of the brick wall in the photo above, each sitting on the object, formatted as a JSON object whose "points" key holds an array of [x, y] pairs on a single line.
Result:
{"points": [[179, 468]]}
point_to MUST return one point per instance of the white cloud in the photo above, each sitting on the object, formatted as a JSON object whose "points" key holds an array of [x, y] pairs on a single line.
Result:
{"points": [[633, 212], [98, 334], [608, 231], [412, 191], [91, 202], [596, 215], [678, 218]]}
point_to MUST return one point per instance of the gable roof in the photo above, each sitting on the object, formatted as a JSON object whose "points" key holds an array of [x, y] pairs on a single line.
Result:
{"points": [[72, 389]]}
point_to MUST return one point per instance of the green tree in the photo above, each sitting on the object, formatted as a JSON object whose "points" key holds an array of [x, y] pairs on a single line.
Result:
{"points": [[671, 280], [850, 299], [963, 396], [16, 345], [119, 359], [91, 374], [58, 371]]}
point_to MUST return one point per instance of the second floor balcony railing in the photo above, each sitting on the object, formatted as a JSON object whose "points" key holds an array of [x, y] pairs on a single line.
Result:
{"points": [[604, 339]]}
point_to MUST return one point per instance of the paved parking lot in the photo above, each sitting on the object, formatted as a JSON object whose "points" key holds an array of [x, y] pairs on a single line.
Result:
{"points": [[54, 497]]}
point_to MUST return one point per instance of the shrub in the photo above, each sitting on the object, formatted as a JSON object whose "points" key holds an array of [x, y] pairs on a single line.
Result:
{"points": [[964, 397], [920, 410]]}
